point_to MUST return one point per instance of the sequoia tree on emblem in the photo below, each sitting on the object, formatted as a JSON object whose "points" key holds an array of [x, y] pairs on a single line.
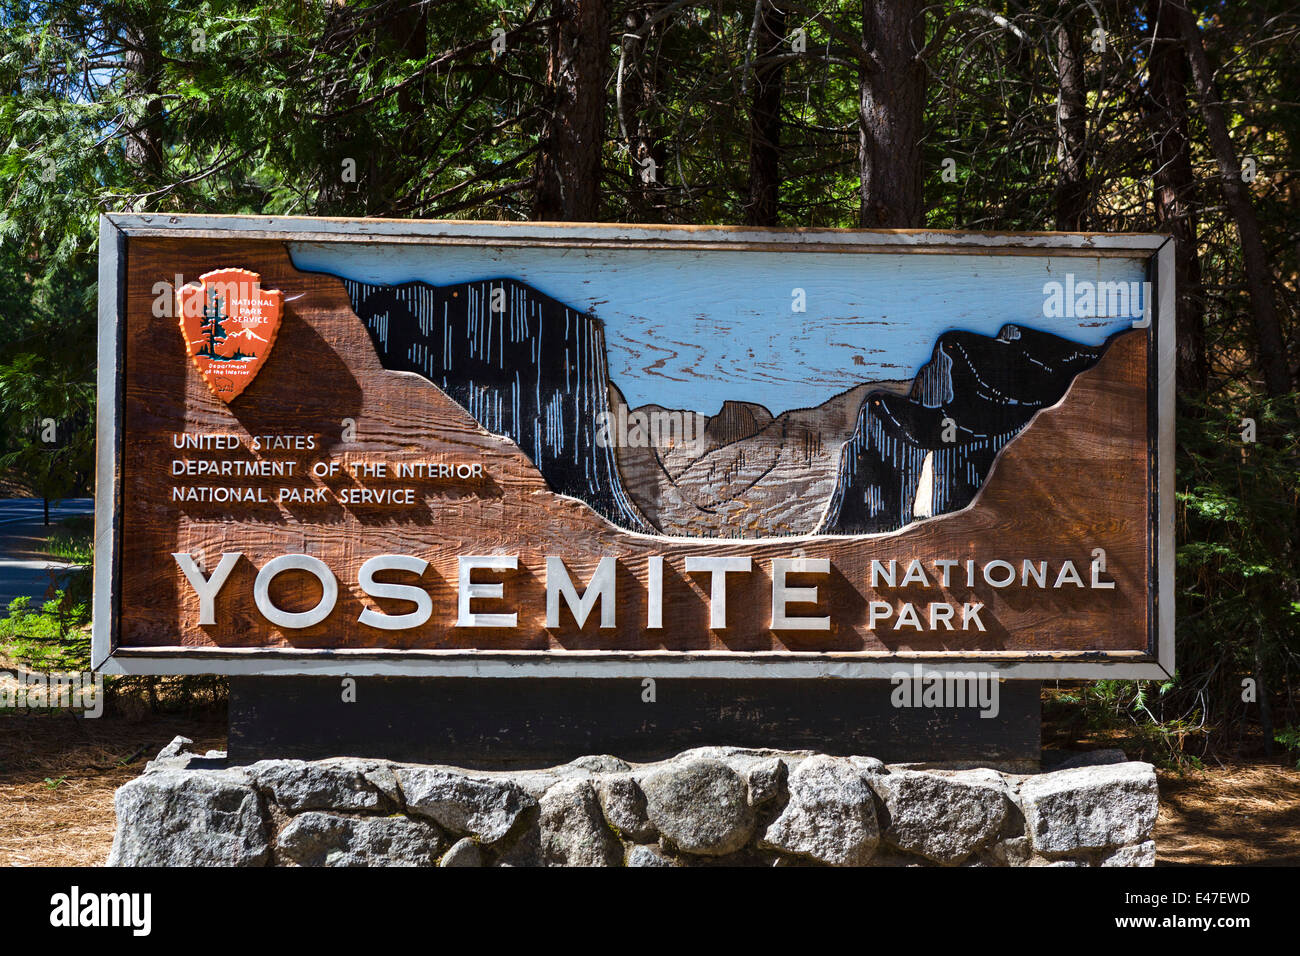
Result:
{"points": [[229, 323]]}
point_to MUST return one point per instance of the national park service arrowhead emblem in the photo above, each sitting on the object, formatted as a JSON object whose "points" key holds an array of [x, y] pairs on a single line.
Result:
{"points": [[229, 322]]}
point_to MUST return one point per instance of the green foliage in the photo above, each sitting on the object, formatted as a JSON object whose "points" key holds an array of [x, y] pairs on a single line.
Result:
{"points": [[47, 364], [53, 637], [1128, 714], [1238, 558], [73, 540], [1289, 737]]}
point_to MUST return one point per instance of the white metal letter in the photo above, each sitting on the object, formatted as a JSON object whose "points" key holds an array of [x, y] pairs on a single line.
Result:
{"points": [[717, 568], [782, 595], [397, 592], [295, 562], [467, 590], [207, 589], [600, 588]]}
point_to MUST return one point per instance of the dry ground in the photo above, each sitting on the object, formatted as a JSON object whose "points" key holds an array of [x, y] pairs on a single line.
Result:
{"points": [[58, 774], [1242, 813]]}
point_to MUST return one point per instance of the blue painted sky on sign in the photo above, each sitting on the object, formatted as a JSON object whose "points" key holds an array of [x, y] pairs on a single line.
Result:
{"points": [[692, 329]]}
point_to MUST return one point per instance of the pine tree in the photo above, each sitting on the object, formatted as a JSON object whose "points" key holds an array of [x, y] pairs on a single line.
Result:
{"points": [[213, 329]]}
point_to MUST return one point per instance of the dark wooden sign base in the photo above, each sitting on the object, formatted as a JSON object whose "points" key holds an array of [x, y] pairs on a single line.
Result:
{"points": [[505, 723]]}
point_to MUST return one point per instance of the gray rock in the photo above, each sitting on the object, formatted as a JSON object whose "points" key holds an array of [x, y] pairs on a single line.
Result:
{"points": [[831, 817], [381, 777], [1139, 854], [648, 856], [624, 805], [340, 784], [601, 763], [1090, 808], [483, 807], [179, 745], [525, 850], [1065, 760], [537, 782], [942, 817], [868, 765], [1010, 767], [766, 781], [465, 853], [328, 839], [1014, 824], [1016, 851], [175, 756], [887, 857], [189, 818], [744, 759], [700, 806], [178, 756], [596, 811], [740, 754], [573, 830]]}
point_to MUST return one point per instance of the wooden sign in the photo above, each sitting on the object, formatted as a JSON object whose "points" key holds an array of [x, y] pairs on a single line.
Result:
{"points": [[381, 447]]}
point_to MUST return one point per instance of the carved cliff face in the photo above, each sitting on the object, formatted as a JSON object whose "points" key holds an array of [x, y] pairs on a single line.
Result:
{"points": [[524, 365], [870, 460], [973, 397]]}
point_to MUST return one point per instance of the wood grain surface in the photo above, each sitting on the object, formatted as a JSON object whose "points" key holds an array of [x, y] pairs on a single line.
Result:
{"points": [[1076, 479]]}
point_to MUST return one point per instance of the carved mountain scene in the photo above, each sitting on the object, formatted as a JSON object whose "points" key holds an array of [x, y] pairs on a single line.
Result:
{"points": [[869, 460], [752, 474]]}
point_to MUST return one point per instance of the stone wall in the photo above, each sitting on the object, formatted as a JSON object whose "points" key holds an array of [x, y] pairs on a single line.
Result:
{"points": [[710, 806]]}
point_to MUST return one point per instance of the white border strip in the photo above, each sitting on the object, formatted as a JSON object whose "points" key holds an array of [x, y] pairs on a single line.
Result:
{"points": [[468, 232], [1165, 450], [105, 447], [343, 664]]}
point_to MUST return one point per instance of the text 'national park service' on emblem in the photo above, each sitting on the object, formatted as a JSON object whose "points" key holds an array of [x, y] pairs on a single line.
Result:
{"points": [[229, 323]]}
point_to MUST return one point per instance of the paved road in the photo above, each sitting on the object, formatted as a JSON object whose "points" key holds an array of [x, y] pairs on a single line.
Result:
{"points": [[23, 568]]}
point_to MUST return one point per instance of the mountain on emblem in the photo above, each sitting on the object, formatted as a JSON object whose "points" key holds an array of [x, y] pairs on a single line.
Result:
{"points": [[229, 323]]}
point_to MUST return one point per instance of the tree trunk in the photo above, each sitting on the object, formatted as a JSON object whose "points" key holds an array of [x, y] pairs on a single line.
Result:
{"points": [[340, 39], [1175, 191], [1262, 699], [1271, 347], [1072, 133], [568, 166], [891, 114], [765, 116], [641, 82], [142, 60], [407, 38]]}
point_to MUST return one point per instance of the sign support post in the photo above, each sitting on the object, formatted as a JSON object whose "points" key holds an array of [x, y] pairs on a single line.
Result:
{"points": [[500, 722]]}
